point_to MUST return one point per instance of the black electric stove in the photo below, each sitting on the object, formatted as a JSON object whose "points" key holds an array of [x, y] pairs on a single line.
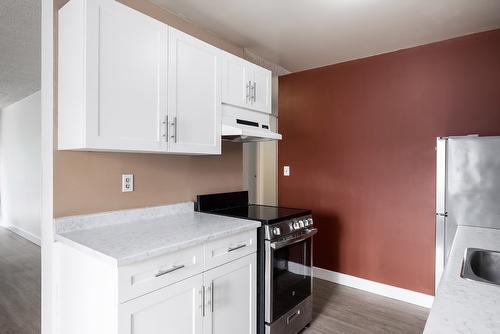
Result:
{"points": [[283, 241], [235, 204]]}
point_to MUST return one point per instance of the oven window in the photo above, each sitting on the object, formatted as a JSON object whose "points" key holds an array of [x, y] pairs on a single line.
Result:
{"points": [[291, 276]]}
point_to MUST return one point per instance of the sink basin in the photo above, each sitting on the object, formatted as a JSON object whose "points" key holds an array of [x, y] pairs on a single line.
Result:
{"points": [[481, 265]]}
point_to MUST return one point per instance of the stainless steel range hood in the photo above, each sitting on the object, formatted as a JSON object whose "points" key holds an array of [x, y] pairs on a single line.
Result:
{"points": [[242, 125]]}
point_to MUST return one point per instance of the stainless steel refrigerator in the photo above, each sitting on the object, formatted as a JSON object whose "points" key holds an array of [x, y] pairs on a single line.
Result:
{"points": [[467, 189]]}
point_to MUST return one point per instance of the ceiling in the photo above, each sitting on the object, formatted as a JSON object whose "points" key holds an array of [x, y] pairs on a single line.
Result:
{"points": [[303, 34], [19, 49]]}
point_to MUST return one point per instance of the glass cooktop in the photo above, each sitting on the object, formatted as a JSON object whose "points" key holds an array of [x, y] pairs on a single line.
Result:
{"points": [[265, 214]]}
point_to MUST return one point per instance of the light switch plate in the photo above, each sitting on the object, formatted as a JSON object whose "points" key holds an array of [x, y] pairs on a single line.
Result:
{"points": [[286, 170], [127, 183]]}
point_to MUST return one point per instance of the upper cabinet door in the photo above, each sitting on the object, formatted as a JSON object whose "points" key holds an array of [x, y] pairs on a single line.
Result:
{"points": [[173, 309], [194, 90], [236, 79], [230, 292], [245, 84], [126, 75], [262, 90]]}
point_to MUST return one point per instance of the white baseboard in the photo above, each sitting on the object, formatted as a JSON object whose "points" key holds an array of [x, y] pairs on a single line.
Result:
{"points": [[412, 297], [25, 234]]}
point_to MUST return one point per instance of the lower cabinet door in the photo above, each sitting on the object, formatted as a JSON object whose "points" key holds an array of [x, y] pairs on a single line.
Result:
{"points": [[176, 309], [231, 297]]}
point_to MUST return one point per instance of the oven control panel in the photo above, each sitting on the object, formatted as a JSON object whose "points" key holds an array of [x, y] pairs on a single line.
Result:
{"points": [[286, 227]]}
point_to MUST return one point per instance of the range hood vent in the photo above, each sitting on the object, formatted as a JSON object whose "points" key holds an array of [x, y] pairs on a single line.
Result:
{"points": [[242, 135], [242, 125]]}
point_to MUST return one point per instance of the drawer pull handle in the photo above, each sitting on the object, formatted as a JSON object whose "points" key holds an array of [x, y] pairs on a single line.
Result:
{"points": [[290, 318], [232, 249], [174, 268]]}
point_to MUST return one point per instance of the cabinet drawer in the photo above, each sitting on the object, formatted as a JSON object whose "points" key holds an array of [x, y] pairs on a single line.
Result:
{"points": [[228, 249], [140, 278]]}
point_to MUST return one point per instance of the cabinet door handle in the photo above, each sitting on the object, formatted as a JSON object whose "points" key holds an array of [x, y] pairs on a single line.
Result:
{"points": [[168, 271], [202, 306], [232, 249], [175, 129], [165, 123], [212, 301], [254, 91], [250, 94], [174, 134], [247, 91], [251, 91]]}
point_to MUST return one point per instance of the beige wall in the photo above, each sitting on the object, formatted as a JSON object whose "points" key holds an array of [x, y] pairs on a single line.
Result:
{"points": [[87, 182], [267, 160]]}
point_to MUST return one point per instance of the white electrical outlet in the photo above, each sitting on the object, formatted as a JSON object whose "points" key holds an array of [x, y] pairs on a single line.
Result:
{"points": [[127, 183], [286, 170]]}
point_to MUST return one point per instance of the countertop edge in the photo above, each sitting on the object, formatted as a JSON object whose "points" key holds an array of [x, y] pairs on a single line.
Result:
{"points": [[183, 245], [120, 262], [85, 249]]}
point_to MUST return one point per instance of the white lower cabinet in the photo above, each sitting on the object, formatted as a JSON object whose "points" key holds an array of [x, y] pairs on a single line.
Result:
{"points": [[232, 299], [174, 309], [205, 289], [220, 301]]}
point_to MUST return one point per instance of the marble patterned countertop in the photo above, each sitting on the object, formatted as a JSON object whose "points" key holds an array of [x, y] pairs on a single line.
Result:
{"points": [[129, 236], [465, 306]]}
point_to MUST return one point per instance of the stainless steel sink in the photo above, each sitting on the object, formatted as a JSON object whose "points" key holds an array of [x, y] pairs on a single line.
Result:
{"points": [[481, 265]]}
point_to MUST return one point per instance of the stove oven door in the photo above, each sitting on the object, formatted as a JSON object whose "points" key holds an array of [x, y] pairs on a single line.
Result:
{"points": [[288, 274]]}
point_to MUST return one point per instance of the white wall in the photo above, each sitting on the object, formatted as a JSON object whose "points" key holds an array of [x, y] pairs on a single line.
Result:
{"points": [[20, 167]]}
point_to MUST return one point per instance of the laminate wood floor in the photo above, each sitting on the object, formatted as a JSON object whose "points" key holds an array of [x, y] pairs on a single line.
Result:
{"points": [[19, 285], [340, 309]]}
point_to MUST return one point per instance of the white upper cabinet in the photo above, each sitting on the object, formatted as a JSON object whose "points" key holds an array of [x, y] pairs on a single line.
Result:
{"points": [[112, 78], [194, 86], [245, 84], [122, 72], [130, 81]]}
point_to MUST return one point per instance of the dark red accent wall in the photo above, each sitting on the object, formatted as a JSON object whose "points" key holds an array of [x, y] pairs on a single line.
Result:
{"points": [[359, 138]]}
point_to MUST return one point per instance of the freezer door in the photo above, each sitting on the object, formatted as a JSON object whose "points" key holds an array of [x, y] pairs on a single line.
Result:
{"points": [[473, 182]]}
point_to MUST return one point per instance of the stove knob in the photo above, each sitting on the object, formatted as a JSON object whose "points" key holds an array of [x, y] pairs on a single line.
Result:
{"points": [[301, 223], [306, 222], [276, 231], [296, 225], [310, 220]]}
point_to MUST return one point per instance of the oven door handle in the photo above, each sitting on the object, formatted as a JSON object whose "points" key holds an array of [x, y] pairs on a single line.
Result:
{"points": [[281, 244]]}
